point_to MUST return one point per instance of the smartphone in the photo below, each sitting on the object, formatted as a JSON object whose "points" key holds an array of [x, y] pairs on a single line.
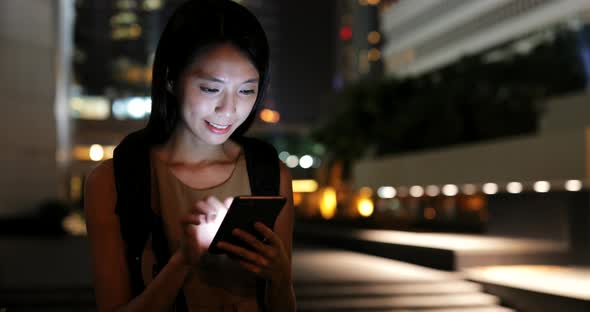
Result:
{"points": [[243, 213]]}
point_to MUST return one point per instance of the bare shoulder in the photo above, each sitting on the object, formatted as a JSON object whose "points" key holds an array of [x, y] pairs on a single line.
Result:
{"points": [[100, 194], [285, 174], [102, 173]]}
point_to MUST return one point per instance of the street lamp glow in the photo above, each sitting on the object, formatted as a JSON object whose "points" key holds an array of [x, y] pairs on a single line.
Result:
{"points": [[514, 187], [542, 186], [136, 108], [386, 192], [490, 188], [328, 203], [432, 190], [306, 161], [96, 152], [365, 207], [416, 191], [450, 190], [469, 189], [573, 185], [283, 155], [292, 161]]}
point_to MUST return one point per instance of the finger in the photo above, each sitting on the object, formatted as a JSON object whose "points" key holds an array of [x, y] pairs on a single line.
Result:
{"points": [[250, 267], [228, 201], [215, 203], [192, 218], [252, 241], [208, 205], [243, 253], [269, 234]]}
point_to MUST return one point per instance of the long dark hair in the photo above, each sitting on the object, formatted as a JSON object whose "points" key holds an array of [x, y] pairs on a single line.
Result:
{"points": [[195, 26]]}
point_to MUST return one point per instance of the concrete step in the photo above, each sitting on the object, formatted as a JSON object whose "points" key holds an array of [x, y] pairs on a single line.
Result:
{"points": [[408, 302], [393, 289]]}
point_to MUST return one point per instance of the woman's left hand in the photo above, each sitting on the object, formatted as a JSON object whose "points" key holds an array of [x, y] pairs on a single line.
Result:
{"points": [[267, 259]]}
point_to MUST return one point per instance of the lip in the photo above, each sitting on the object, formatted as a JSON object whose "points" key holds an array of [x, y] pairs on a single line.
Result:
{"points": [[217, 130]]}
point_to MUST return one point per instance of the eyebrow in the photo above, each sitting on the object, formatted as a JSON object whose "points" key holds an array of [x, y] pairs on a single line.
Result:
{"points": [[214, 79]]}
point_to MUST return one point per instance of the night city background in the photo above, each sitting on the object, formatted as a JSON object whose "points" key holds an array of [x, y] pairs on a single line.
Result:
{"points": [[440, 149]]}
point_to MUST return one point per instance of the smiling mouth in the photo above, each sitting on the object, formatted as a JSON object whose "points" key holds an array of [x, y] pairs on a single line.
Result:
{"points": [[218, 126]]}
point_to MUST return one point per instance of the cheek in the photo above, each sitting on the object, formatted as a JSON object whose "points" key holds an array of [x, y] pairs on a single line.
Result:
{"points": [[196, 105], [245, 108]]}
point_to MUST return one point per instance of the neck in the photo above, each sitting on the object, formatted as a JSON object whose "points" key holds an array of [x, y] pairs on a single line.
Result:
{"points": [[183, 147]]}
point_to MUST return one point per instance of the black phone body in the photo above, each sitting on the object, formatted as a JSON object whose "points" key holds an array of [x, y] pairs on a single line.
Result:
{"points": [[243, 213]]}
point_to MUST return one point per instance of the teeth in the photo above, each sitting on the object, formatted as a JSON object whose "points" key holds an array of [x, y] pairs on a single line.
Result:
{"points": [[218, 126]]}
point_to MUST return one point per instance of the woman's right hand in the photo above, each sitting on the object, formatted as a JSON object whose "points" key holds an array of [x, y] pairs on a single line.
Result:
{"points": [[207, 214]]}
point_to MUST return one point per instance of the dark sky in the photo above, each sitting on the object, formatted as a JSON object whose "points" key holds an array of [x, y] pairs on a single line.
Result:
{"points": [[305, 56]]}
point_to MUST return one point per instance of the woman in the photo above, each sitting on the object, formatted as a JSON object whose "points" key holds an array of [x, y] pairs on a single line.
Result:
{"points": [[210, 72]]}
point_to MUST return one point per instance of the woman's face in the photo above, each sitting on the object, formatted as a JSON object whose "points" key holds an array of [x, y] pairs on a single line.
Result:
{"points": [[217, 93]]}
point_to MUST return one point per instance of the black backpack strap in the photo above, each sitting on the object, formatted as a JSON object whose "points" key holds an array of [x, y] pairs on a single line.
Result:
{"points": [[263, 167], [264, 173]]}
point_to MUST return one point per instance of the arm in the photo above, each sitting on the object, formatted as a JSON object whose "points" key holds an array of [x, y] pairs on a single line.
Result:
{"points": [[281, 296], [107, 248]]}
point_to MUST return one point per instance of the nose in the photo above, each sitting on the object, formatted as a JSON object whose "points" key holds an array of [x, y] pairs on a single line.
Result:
{"points": [[226, 106]]}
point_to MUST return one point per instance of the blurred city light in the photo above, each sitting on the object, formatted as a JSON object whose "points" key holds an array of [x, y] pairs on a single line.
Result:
{"points": [[270, 116], [542, 186], [432, 190], [469, 189], [316, 162], [374, 37], [283, 156], [96, 152], [328, 203], [132, 107], [514, 187], [402, 191], [429, 213], [292, 161], [126, 4], [490, 188], [345, 33], [374, 55], [450, 190], [152, 5], [365, 191], [416, 191], [306, 162], [304, 186], [365, 207], [89, 107], [386, 192], [573, 185]]}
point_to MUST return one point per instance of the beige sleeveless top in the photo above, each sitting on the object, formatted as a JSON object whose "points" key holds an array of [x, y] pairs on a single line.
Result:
{"points": [[218, 283]]}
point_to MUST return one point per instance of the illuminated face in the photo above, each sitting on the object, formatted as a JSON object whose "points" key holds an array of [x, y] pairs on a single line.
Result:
{"points": [[218, 92]]}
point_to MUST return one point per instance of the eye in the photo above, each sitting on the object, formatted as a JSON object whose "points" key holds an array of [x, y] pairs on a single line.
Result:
{"points": [[248, 92], [209, 90]]}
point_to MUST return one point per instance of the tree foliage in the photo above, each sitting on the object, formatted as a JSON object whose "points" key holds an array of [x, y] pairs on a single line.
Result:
{"points": [[469, 101]]}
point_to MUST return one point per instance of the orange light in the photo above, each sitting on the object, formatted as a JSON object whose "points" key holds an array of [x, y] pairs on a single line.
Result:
{"points": [[365, 207], [270, 116], [297, 199], [429, 213], [304, 186], [374, 37], [328, 203], [374, 55]]}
